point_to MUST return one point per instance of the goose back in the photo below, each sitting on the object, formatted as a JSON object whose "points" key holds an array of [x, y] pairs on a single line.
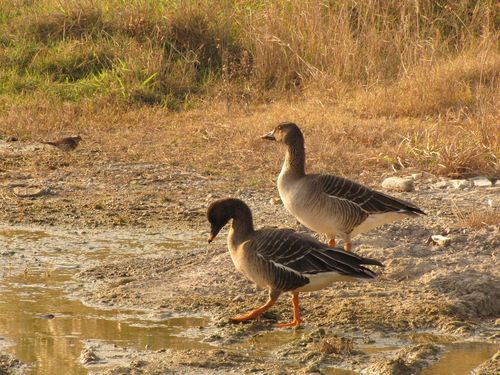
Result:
{"points": [[371, 201], [285, 260]]}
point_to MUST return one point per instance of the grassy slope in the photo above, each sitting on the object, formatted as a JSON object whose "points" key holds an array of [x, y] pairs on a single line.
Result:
{"points": [[376, 85]]}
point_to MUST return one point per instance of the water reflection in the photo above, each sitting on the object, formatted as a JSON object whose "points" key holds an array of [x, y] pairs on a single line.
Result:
{"points": [[462, 358], [23, 234], [54, 345]]}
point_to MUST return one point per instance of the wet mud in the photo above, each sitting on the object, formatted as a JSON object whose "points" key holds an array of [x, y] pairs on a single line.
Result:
{"points": [[113, 275]]}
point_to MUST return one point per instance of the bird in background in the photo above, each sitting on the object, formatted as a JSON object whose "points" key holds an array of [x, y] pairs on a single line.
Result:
{"points": [[329, 204], [65, 144], [281, 260]]}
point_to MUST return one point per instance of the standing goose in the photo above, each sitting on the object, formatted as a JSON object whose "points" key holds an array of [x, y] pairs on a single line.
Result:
{"points": [[329, 204], [281, 259]]}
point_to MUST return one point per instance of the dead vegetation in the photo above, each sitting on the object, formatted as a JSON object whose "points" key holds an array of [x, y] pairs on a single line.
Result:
{"points": [[376, 85], [336, 345], [476, 219]]}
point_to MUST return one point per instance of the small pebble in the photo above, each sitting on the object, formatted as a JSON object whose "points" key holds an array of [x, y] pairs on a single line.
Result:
{"points": [[275, 201], [238, 298], [481, 182], [398, 184], [440, 185], [459, 184], [440, 240]]}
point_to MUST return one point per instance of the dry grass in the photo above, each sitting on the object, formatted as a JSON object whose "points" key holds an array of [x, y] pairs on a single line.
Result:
{"points": [[465, 85], [475, 219], [336, 345], [280, 46], [376, 86], [216, 141]]}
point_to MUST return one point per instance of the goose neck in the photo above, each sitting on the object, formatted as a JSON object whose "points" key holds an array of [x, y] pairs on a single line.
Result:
{"points": [[295, 159], [241, 227]]}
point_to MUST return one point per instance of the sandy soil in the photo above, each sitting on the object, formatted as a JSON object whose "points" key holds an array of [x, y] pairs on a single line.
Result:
{"points": [[451, 290]]}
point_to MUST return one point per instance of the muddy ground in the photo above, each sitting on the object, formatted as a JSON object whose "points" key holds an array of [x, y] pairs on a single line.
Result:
{"points": [[450, 291]]}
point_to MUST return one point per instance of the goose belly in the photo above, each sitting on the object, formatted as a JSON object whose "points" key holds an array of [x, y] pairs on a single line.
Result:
{"points": [[376, 220], [322, 280]]}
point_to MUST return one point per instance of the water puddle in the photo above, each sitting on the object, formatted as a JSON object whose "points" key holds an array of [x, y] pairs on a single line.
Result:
{"points": [[461, 358], [47, 328], [458, 358], [264, 344], [23, 234], [49, 331]]}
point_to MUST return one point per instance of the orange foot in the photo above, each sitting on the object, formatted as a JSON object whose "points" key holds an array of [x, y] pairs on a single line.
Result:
{"points": [[331, 242], [293, 323], [243, 318], [255, 313], [296, 313], [348, 246]]}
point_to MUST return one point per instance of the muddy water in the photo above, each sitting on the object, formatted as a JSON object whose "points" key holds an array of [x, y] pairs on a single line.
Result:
{"points": [[49, 331], [462, 358]]}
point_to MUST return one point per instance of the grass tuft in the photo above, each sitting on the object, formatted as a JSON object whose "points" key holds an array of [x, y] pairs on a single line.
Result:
{"points": [[476, 219]]}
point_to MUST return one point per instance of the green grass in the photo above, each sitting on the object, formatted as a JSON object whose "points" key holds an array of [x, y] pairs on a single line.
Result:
{"points": [[175, 53]]}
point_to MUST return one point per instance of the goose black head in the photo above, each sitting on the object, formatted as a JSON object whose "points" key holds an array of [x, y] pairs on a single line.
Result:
{"points": [[221, 211], [286, 132]]}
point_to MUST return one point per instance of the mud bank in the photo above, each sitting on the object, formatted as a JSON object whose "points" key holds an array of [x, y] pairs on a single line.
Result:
{"points": [[133, 237]]}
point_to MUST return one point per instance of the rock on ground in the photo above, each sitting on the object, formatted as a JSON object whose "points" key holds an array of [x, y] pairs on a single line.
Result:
{"points": [[398, 184]]}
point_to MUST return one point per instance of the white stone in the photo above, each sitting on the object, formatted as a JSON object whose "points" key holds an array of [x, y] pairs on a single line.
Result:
{"points": [[238, 298], [440, 240], [275, 201], [398, 184], [459, 184], [493, 202], [440, 185], [417, 176], [481, 182]]}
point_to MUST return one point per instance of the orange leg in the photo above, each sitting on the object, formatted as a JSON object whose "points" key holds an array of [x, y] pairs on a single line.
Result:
{"points": [[257, 312], [331, 242], [348, 246], [296, 313]]}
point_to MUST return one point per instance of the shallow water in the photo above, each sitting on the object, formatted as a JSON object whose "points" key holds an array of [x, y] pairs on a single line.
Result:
{"points": [[458, 358], [48, 330], [461, 358]]}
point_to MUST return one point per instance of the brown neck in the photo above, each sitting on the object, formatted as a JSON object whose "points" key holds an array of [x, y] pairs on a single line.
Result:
{"points": [[242, 225], [295, 159]]}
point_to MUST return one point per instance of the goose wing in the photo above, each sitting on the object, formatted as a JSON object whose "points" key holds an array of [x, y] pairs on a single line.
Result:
{"points": [[301, 254], [371, 201]]}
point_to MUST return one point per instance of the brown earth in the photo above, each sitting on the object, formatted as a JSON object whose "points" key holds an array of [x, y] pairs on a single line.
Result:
{"points": [[450, 290]]}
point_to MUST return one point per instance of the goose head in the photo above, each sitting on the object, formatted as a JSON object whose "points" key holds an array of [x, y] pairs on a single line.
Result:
{"points": [[286, 132], [221, 211]]}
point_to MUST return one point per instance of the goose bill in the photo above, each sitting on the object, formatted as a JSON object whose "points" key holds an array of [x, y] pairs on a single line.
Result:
{"points": [[214, 231], [269, 136]]}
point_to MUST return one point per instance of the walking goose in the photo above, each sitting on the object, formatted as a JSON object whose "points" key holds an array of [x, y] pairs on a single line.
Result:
{"points": [[281, 259], [330, 204]]}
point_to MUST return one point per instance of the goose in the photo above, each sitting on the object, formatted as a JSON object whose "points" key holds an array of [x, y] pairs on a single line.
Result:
{"points": [[329, 204], [65, 144], [281, 260]]}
